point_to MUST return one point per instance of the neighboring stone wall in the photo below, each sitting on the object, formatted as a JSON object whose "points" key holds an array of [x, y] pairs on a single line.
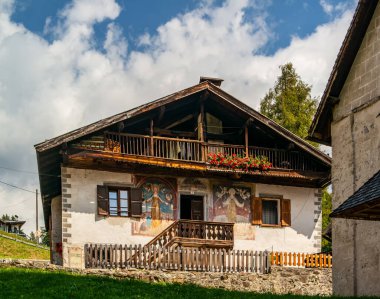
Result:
{"points": [[281, 280], [356, 158]]}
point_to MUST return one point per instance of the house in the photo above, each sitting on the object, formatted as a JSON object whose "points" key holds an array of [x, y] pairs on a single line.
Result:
{"points": [[11, 226], [348, 119], [200, 158]]}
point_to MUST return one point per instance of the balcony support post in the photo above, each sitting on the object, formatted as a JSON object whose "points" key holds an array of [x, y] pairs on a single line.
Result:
{"points": [[201, 130], [151, 143], [246, 140]]}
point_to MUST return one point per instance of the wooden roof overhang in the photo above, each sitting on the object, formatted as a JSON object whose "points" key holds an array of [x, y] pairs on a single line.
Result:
{"points": [[320, 128], [50, 152], [364, 204]]}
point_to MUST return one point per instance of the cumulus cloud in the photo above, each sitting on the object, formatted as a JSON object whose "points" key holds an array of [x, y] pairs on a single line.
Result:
{"points": [[48, 87]]}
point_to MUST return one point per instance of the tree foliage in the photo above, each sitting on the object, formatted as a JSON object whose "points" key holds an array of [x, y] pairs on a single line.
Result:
{"points": [[326, 211], [289, 103]]}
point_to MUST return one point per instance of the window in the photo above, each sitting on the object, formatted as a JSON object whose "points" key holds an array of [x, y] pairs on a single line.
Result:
{"points": [[275, 211], [270, 212], [119, 201]]}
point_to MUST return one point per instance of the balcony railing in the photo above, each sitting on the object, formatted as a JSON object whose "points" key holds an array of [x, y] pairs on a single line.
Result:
{"points": [[194, 150]]}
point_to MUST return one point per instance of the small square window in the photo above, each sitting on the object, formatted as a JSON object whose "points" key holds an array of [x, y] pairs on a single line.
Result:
{"points": [[270, 212]]}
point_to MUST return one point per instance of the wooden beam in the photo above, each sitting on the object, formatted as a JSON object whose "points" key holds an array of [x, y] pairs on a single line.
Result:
{"points": [[161, 114], [246, 140], [151, 138], [201, 129], [178, 122]]}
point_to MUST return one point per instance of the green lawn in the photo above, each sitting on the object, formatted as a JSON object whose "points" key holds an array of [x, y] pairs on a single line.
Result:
{"points": [[33, 283], [17, 250]]}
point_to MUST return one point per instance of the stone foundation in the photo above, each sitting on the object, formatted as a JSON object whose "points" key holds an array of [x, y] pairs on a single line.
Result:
{"points": [[281, 280]]}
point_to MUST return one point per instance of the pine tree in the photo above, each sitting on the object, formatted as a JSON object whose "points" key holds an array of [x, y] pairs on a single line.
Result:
{"points": [[289, 102]]}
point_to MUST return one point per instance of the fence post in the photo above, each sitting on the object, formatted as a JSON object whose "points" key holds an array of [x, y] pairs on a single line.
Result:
{"points": [[269, 262]]}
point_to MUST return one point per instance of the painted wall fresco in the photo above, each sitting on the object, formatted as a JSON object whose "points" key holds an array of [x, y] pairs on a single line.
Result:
{"points": [[231, 204], [157, 208]]}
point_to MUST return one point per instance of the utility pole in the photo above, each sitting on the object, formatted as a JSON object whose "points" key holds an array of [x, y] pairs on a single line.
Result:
{"points": [[37, 237]]}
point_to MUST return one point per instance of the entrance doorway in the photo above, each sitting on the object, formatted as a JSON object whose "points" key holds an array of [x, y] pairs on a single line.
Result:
{"points": [[191, 207]]}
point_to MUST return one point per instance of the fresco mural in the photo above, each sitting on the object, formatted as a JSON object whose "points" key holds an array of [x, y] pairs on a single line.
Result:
{"points": [[231, 204], [157, 208]]}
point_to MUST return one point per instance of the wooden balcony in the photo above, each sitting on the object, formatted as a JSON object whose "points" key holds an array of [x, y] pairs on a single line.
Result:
{"points": [[188, 150]]}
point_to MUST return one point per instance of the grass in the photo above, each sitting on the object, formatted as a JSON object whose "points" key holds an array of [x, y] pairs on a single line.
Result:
{"points": [[35, 283], [17, 250]]}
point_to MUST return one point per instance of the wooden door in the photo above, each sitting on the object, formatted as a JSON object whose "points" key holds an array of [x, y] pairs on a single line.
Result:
{"points": [[197, 209]]}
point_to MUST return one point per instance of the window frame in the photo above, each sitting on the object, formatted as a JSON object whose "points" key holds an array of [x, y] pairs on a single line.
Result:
{"points": [[278, 200], [117, 190]]}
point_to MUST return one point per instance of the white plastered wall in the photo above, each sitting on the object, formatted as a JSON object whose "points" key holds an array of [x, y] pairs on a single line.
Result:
{"points": [[304, 234], [81, 224]]}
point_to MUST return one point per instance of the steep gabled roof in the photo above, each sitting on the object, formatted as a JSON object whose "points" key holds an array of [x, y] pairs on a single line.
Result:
{"points": [[319, 129], [364, 203], [203, 86]]}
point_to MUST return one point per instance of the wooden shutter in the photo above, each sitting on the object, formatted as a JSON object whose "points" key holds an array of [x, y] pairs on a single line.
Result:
{"points": [[257, 210], [102, 198], [136, 202], [285, 212]]}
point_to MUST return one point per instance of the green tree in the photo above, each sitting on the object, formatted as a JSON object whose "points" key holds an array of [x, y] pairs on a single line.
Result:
{"points": [[45, 237], [326, 210], [289, 103]]}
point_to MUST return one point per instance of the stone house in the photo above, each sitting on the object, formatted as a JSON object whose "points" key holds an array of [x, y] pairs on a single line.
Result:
{"points": [[348, 119], [199, 157]]}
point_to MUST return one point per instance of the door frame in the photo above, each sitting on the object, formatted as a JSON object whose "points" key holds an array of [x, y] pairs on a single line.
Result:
{"points": [[203, 195]]}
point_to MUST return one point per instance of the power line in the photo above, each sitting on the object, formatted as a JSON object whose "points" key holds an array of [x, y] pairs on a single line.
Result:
{"points": [[30, 172], [13, 186], [15, 204]]}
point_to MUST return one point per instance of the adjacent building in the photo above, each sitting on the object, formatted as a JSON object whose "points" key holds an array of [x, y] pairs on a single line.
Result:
{"points": [[348, 119]]}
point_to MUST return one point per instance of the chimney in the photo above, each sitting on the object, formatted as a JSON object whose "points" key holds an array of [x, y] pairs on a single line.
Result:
{"points": [[215, 81]]}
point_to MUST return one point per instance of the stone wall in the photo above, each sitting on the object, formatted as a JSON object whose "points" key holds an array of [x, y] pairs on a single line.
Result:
{"points": [[356, 158], [281, 280]]}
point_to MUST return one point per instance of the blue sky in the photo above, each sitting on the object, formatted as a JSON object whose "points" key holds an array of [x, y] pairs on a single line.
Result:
{"points": [[286, 17], [64, 64]]}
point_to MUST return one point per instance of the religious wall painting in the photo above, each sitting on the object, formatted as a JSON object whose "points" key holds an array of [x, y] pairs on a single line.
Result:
{"points": [[231, 204], [159, 197]]}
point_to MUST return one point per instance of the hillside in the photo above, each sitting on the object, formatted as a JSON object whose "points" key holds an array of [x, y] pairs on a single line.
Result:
{"points": [[17, 250]]}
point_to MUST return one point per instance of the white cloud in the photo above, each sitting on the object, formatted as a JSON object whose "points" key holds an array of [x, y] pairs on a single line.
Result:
{"points": [[48, 88], [327, 7], [340, 7]]}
